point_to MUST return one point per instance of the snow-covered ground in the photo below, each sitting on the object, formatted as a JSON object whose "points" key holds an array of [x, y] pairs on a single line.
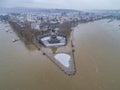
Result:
{"points": [[45, 38], [48, 37], [46, 43], [63, 59]]}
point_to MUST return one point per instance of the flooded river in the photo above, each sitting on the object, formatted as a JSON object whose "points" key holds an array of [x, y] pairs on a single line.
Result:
{"points": [[97, 58]]}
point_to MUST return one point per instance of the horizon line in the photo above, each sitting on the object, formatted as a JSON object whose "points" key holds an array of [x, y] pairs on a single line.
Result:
{"points": [[57, 8]]}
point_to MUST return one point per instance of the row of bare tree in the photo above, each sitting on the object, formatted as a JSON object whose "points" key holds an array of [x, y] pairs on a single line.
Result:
{"points": [[29, 36], [25, 33]]}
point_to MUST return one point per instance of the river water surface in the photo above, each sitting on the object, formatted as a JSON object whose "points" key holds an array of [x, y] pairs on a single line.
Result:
{"points": [[97, 57]]}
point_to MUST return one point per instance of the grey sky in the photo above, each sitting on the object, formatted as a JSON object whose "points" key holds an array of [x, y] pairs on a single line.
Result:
{"points": [[67, 4]]}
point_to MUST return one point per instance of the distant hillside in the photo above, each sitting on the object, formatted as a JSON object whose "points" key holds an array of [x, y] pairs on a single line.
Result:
{"points": [[22, 9]]}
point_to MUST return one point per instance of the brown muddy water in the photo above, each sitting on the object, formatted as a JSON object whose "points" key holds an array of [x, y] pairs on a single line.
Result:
{"points": [[97, 57]]}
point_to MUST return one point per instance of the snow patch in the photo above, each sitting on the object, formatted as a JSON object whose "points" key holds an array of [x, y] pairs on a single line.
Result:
{"points": [[63, 59], [45, 38]]}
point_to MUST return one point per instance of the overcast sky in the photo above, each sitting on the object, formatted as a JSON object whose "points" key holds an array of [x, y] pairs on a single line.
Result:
{"points": [[67, 4]]}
